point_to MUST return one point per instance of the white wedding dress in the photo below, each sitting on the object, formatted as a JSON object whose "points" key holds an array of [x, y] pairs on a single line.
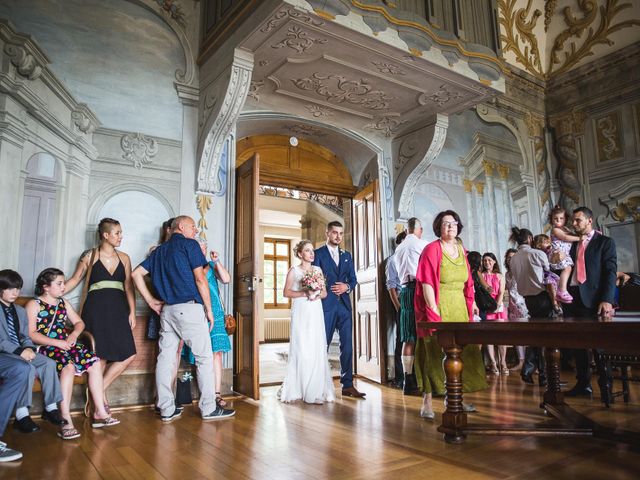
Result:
{"points": [[308, 375]]}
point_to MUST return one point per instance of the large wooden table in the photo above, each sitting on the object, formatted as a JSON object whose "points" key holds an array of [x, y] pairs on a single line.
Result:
{"points": [[620, 334]]}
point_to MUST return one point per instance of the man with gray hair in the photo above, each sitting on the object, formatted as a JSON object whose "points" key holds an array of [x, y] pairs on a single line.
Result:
{"points": [[177, 274], [407, 257]]}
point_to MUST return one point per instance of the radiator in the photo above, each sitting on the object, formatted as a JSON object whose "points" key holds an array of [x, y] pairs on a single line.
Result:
{"points": [[276, 329]]}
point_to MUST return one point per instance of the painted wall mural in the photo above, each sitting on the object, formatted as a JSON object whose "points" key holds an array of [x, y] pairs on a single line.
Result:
{"points": [[117, 57], [572, 32]]}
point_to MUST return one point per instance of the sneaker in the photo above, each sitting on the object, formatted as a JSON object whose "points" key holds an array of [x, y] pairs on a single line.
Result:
{"points": [[219, 413], [180, 408], [564, 296], [7, 454], [177, 412]]}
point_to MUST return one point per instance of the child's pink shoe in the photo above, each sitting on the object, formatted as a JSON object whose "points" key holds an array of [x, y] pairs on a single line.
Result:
{"points": [[564, 296]]}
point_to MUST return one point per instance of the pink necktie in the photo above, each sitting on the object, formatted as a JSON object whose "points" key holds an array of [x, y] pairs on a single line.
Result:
{"points": [[581, 270]]}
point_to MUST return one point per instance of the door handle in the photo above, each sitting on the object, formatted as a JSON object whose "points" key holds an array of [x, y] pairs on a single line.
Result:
{"points": [[252, 280]]}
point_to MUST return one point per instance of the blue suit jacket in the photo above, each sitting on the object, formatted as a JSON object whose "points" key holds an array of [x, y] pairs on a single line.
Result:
{"points": [[343, 272]]}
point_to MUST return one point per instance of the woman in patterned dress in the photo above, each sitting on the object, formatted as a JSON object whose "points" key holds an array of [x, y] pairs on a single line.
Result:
{"points": [[47, 316], [444, 293], [220, 343]]}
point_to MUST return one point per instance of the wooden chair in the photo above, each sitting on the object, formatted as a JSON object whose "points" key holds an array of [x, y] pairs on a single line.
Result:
{"points": [[629, 301], [86, 339]]}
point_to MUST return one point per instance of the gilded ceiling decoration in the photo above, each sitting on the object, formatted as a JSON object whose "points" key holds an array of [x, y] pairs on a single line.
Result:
{"points": [[591, 25], [517, 34]]}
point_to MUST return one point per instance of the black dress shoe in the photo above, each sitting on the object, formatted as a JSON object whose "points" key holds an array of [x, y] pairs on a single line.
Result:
{"points": [[26, 425], [528, 379], [580, 391], [54, 417]]}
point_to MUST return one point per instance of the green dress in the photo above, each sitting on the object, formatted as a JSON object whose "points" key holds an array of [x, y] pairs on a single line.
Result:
{"points": [[453, 308]]}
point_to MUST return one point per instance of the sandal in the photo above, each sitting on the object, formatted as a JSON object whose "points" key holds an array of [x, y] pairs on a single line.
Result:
{"points": [[220, 401], [494, 370], [104, 422], [68, 433], [504, 370]]}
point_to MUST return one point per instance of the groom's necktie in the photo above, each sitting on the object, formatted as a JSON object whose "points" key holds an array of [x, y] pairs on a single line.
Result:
{"points": [[335, 256]]}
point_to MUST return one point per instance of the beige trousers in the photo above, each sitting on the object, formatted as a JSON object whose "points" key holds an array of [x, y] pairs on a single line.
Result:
{"points": [[188, 322]]}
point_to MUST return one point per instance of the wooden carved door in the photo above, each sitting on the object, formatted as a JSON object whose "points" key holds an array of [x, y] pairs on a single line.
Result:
{"points": [[369, 338], [245, 367]]}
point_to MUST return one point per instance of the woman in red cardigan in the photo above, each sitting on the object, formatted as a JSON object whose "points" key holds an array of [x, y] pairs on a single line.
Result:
{"points": [[444, 293]]}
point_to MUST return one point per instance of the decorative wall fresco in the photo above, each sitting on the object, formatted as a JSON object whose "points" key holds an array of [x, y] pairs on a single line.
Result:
{"points": [[117, 57]]}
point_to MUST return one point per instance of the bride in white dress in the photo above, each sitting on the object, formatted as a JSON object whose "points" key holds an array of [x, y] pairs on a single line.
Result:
{"points": [[308, 375]]}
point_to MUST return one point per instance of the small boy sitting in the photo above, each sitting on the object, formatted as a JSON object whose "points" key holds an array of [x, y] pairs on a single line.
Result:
{"points": [[15, 342]]}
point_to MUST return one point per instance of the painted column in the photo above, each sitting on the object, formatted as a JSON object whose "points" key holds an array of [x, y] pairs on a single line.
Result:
{"points": [[471, 220], [492, 220], [189, 97], [480, 216], [503, 172]]}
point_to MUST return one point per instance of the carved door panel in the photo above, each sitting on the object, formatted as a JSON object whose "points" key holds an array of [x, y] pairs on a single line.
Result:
{"points": [[369, 337], [245, 368]]}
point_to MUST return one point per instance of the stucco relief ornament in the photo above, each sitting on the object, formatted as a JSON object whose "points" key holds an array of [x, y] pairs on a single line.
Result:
{"points": [[609, 132], [254, 88], [25, 63], [354, 92], [318, 111], [302, 17], [138, 149], [389, 68], [299, 40], [442, 96], [386, 124], [173, 9]]}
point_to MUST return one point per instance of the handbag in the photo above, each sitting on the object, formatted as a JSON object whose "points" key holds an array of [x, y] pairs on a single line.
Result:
{"points": [[484, 300], [229, 320], [230, 324], [153, 326]]}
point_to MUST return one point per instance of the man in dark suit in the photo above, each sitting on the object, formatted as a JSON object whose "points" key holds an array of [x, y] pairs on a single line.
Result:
{"points": [[592, 285], [337, 267]]}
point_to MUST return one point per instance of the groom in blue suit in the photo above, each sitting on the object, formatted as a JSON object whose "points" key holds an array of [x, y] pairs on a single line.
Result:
{"points": [[339, 273]]}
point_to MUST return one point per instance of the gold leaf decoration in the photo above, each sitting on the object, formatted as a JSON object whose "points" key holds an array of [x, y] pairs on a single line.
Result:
{"points": [[576, 27], [517, 34], [629, 207], [203, 203], [549, 10]]}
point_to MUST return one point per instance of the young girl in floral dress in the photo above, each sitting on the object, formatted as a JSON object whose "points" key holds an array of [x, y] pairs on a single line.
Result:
{"points": [[549, 279], [47, 316]]}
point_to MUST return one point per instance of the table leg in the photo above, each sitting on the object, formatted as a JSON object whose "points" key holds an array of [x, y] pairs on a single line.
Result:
{"points": [[454, 420], [553, 395]]}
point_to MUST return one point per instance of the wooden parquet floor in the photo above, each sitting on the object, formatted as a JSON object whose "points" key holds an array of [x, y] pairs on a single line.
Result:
{"points": [[380, 438]]}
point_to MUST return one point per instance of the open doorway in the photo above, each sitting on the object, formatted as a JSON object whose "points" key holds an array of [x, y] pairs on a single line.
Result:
{"points": [[289, 168], [285, 217]]}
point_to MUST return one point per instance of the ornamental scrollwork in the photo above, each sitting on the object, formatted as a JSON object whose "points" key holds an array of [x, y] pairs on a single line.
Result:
{"points": [[355, 92], [442, 96], [299, 40], [138, 149], [629, 207], [389, 68], [387, 124], [303, 17], [25, 63], [517, 34], [577, 26]]}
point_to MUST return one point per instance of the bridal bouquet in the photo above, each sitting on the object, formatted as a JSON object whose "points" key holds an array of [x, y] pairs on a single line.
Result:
{"points": [[313, 281]]}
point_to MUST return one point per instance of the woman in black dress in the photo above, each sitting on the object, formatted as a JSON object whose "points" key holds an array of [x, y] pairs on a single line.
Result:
{"points": [[109, 309]]}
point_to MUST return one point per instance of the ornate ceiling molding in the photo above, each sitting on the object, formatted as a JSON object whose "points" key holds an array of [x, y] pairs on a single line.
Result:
{"points": [[138, 149], [623, 202], [221, 119], [170, 11], [298, 40], [28, 59], [84, 119], [439, 134], [592, 25]]}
